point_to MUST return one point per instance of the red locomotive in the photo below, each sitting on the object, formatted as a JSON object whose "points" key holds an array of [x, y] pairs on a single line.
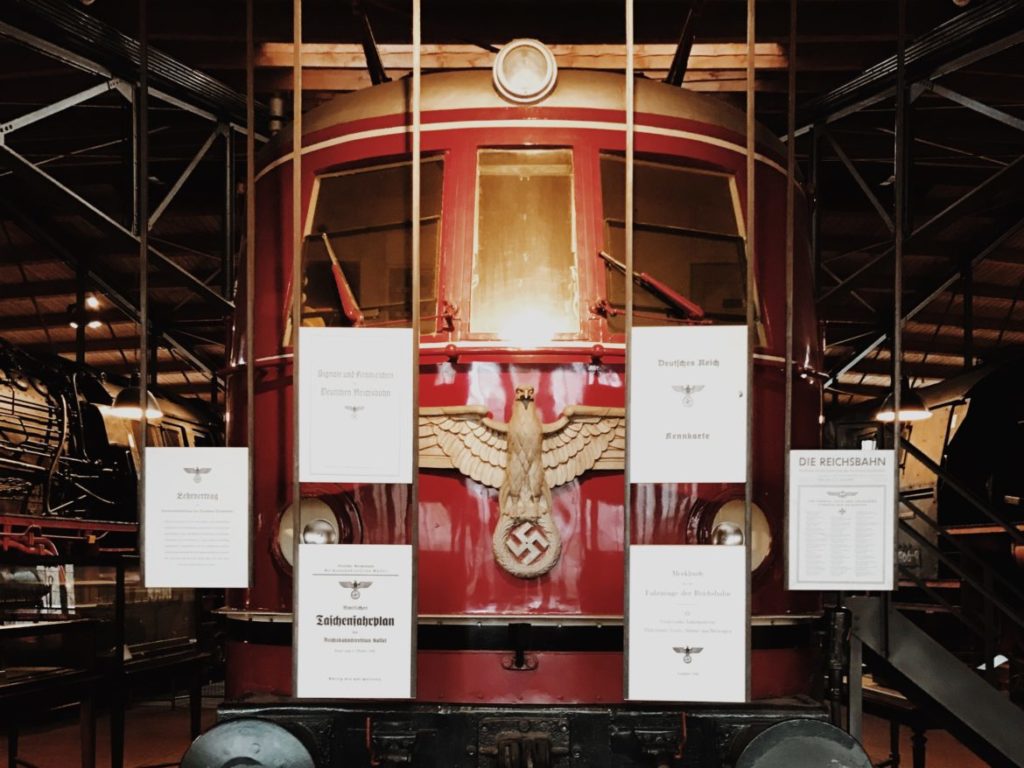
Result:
{"points": [[522, 298]]}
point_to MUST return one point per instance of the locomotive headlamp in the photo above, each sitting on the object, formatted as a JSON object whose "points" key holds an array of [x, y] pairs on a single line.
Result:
{"points": [[525, 71], [317, 520], [727, 528]]}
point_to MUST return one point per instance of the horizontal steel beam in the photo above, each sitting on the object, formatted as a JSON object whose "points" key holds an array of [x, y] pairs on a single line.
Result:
{"points": [[193, 319], [46, 238], [59, 30], [973, 104], [1010, 175], [118, 344], [975, 34], [913, 369], [927, 299], [57, 107], [36, 179]]}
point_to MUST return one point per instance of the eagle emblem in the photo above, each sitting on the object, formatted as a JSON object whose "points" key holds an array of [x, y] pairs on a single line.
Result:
{"points": [[841, 494], [197, 473], [354, 410], [355, 586], [524, 459], [688, 652], [688, 391]]}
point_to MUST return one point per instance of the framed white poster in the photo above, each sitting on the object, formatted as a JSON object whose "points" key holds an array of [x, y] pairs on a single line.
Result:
{"points": [[355, 405], [196, 525], [687, 623], [354, 614], [688, 404], [841, 520]]}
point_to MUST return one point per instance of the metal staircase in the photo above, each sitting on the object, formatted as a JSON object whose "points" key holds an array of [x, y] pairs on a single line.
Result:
{"points": [[935, 639]]}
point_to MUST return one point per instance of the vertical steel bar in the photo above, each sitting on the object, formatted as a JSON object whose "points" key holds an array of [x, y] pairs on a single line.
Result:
{"points": [[142, 183], [856, 706], [296, 310], [901, 221], [751, 293], [81, 273], [228, 268], [787, 428], [250, 267], [627, 515], [816, 207], [417, 75], [968, 281]]}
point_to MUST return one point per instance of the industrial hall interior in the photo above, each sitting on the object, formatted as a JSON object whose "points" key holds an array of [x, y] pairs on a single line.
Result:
{"points": [[512, 384]]}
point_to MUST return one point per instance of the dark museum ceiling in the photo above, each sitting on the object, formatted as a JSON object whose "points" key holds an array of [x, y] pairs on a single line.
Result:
{"points": [[956, 147]]}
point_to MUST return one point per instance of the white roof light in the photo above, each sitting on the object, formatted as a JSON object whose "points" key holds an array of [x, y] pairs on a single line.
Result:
{"points": [[525, 71]]}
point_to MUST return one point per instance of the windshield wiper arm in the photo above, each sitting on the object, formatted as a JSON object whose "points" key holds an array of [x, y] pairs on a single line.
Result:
{"points": [[677, 300], [349, 305]]}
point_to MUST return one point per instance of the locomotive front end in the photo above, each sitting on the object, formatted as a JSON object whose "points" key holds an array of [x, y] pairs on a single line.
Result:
{"points": [[521, 425]]}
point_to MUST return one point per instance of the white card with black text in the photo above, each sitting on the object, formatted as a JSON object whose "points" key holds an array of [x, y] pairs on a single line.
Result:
{"points": [[355, 405], [687, 623], [688, 404], [354, 613], [842, 527], [196, 525]]}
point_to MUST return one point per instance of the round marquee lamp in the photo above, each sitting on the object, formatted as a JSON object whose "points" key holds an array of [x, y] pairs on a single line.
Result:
{"points": [[128, 405], [525, 71], [319, 526], [727, 528]]}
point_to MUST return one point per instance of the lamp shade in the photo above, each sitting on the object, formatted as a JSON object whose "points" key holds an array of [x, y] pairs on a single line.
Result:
{"points": [[127, 405], [912, 407]]}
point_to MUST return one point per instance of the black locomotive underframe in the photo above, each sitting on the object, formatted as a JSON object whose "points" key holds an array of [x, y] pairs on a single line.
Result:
{"points": [[517, 737]]}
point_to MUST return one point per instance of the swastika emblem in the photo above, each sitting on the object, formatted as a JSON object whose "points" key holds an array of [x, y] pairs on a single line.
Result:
{"points": [[527, 542]]}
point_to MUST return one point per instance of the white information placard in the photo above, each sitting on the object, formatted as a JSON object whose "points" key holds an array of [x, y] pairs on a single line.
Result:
{"points": [[354, 638], [687, 623], [688, 404], [355, 405], [841, 525], [196, 531]]}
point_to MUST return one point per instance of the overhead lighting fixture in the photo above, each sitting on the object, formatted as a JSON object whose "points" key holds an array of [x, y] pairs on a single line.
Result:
{"points": [[75, 313], [525, 71], [127, 404], [912, 407]]}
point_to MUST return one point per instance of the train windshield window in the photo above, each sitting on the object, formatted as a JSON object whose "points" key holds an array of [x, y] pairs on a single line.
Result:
{"points": [[361, 234], [685, 234], [524, 262]]}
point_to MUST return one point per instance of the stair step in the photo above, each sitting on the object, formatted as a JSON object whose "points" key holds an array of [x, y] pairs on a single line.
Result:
{"points": [[982, 529], [923, 607], [992, 723], [931, 584]]}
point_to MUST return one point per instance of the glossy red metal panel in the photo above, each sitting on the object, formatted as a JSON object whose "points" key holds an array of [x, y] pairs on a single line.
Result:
{"points": [[485, 677], [457, 571], [254, 669]]}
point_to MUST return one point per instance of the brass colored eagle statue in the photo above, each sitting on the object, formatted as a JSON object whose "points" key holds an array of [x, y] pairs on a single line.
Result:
{"points": [[524, 459]]}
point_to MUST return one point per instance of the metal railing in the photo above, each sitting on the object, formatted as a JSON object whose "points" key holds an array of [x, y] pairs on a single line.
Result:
{"points": [[997, 600]]}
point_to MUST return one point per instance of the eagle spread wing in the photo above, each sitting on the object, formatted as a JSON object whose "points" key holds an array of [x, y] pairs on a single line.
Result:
{"points": [[348, 584], [584, 437], [464, 438]]}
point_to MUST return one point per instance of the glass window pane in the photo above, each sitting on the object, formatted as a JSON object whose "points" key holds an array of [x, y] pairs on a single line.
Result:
{"points": [[524, 268], [361, 225], [659, 188], [685, 235]]}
